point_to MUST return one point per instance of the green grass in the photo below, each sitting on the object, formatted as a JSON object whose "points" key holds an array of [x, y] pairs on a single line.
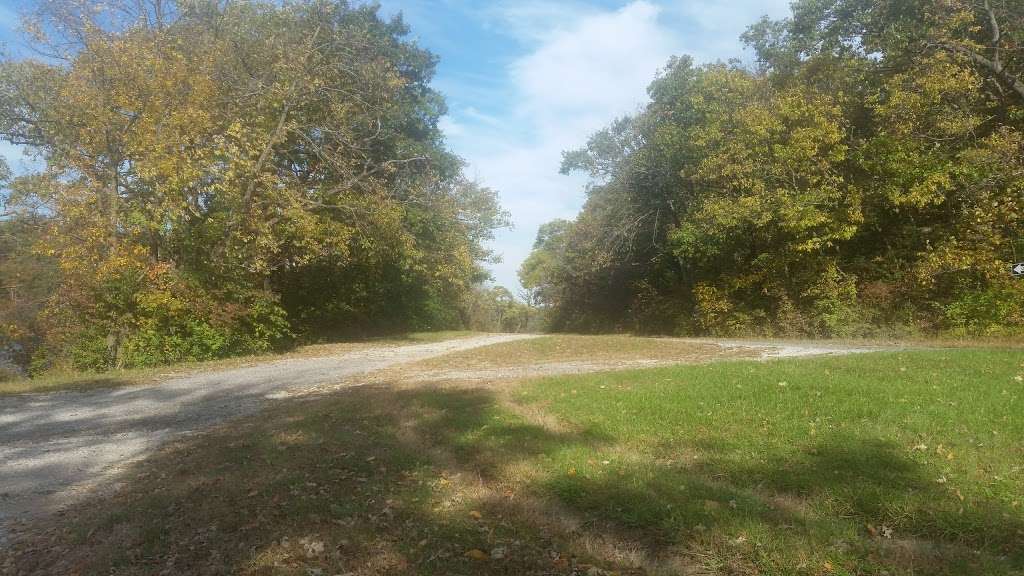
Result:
{"points": [[902, 463], [84, 381], [796, 463]]}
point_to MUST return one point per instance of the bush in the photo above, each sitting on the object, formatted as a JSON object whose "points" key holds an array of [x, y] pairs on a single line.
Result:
{"points": [[145, 314], [997, 311]]}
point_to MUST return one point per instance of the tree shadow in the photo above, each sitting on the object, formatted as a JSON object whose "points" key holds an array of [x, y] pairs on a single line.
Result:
{"points": [[364, 482], [433, 480], [859, 499]]}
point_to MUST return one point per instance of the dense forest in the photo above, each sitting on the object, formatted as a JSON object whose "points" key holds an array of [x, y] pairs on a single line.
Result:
{"points": [[865, 176], [220, 178]]}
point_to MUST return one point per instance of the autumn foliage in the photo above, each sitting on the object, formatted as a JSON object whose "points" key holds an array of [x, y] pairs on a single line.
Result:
{"points": [[865, 176], [222, 178]]}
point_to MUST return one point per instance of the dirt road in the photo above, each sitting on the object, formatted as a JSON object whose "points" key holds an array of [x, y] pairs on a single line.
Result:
{"points": [[54, 445]]}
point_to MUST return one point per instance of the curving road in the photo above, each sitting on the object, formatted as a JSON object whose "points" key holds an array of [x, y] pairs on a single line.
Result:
{"points": [[55, 445]]}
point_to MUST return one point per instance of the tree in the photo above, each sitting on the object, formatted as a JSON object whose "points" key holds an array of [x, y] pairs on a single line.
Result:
{"points": [[866, 176], [225, 176]]}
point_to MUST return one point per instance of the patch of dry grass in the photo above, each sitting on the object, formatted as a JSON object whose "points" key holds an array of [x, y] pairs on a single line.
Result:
{"points": [[596, 350], [376, 481]]}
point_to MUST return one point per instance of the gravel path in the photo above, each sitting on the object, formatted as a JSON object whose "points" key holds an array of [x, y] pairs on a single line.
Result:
{"points": [[792, 349], [748, 349], [54, 446]]}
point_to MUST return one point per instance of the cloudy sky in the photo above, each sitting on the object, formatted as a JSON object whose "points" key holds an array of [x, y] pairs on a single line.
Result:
{"points": [[526, 79]]}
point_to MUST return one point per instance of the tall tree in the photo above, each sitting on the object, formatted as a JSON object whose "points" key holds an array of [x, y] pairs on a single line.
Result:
{"points": [[867, 175], [219, 174]]}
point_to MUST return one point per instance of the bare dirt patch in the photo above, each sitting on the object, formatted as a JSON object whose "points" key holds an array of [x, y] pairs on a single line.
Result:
{"points": [[565, 354]]}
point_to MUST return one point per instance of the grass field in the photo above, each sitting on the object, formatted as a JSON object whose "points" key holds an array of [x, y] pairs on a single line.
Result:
{"points": [[903, 463], [83, 381]]}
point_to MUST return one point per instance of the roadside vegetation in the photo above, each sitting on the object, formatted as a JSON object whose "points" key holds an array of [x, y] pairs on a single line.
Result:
{"points": [[892, 463], [862, 178]]}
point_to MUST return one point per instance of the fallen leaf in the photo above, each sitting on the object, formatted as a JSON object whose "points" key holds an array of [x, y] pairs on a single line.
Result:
{"points": [[312, 547], [476, 554]]}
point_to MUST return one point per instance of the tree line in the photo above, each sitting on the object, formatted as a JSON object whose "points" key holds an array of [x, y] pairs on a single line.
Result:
{"points": [[220, 178], [865, 176]]}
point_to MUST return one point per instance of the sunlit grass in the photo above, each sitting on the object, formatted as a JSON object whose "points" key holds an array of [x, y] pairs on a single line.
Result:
{"points": [[861, 463]]}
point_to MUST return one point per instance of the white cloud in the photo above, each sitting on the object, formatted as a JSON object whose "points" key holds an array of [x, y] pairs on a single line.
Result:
{"points": [[582, 67], [598, 68], [451, 128], [533, 20], [582, 71]]}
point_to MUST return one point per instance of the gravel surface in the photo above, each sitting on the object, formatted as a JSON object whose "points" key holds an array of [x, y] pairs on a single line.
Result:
{"points": [[740, 349], [782, 349], [54, 446]]}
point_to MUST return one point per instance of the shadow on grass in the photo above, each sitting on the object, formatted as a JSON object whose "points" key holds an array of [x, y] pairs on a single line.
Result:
{"points": [[845, 501], [445, 481]]}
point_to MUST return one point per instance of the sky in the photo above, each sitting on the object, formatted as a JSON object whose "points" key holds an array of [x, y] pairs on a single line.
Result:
{"points": [[527, 79]]}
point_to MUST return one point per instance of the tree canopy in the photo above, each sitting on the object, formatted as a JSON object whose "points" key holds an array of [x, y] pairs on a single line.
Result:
{"points": [[223, 177], [865, 176]]}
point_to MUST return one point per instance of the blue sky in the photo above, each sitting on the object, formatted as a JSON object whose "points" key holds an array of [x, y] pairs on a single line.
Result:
{"points": [[526, 79]]}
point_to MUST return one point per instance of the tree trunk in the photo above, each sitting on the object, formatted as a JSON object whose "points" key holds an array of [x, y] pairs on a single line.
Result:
{"points": [[113, 202]]}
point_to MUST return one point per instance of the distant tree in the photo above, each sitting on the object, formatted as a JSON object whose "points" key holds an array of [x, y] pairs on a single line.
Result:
{"points": [[495, 309], [27, 277]]}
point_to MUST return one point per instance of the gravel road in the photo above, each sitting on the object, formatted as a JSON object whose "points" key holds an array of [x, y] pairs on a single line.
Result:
{"points": [[768, 349], [53, 446]]}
